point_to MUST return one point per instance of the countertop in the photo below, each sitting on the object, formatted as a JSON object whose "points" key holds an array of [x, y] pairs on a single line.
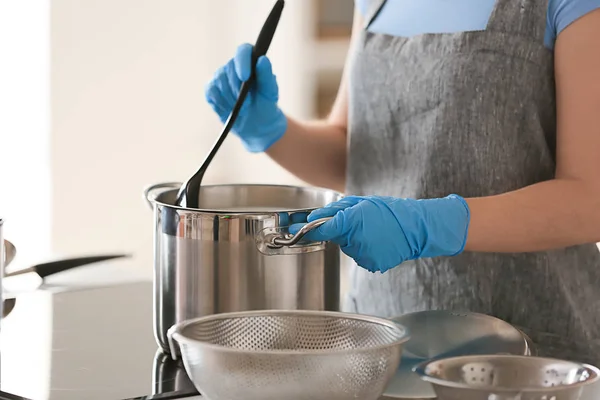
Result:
{"points": [[83, 337]]}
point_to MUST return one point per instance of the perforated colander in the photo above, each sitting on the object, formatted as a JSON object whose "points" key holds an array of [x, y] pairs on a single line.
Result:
{"points": [[506, 377], [291, 355]]}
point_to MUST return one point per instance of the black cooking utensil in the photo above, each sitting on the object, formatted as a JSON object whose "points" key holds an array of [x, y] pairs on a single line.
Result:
{"points": [[54, 267], [50, 268], [188, 195]]}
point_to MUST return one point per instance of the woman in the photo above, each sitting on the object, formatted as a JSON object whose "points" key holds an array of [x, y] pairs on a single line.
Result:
{"points": [[466, 135]]}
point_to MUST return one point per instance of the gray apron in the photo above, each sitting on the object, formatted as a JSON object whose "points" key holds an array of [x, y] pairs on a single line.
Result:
{"points": [[470, 113]]}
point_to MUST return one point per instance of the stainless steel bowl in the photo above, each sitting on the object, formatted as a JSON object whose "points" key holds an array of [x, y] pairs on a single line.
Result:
{"points": [[299, 355], [507, 377], [441, 334]]}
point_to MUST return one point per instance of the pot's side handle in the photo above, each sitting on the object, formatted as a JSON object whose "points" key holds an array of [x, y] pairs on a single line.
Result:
{"points": [[274, 241], [152, 191], [279, 242]]}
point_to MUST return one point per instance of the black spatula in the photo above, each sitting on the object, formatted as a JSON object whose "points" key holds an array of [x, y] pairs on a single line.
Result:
{"points": [[188, 195]]}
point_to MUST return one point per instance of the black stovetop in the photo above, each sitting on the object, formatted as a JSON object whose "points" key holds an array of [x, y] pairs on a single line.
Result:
{"points": [[92, 344]]}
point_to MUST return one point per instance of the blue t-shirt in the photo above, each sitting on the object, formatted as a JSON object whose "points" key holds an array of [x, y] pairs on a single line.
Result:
{"points": [[415, 17]]}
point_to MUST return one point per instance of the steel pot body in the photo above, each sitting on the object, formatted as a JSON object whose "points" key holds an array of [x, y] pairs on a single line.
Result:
{"points": [[207, 261]]}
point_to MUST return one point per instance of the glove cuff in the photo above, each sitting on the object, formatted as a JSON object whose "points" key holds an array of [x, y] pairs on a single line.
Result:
{"points": [[447, 221], [467, 217]]}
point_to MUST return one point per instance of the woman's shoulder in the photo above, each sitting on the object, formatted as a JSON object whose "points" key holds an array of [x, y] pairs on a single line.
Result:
{"points": [[562, 13]]}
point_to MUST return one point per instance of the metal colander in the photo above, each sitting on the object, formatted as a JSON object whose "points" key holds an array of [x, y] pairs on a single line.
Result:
{"points": [[292, 355], [505, 377]]}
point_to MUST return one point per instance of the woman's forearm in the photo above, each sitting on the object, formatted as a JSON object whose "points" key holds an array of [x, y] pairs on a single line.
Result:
{"points": [[549, 215], [313, 151]]}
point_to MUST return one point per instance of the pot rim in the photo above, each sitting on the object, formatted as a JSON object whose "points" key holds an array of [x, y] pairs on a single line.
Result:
{"points": [[153, 191]]}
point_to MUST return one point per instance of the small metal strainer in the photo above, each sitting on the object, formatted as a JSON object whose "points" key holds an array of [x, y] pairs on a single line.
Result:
{"points": [[507, 377], [291, 355]]}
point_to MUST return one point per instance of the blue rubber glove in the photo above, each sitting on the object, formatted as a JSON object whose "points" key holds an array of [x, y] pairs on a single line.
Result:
{"points": [[380, 233], [260, 122]]}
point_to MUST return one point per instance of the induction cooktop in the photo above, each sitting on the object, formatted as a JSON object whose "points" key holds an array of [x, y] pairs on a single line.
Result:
{"points": [[89, 343]]}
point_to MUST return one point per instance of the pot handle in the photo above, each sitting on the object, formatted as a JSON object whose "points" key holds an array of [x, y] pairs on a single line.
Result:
{"points": [[10, 251], [152, 191], [272, 241], [289, 240]]}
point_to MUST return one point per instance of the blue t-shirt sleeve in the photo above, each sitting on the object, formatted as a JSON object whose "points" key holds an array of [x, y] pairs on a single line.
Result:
{"points": [[562, 13]]}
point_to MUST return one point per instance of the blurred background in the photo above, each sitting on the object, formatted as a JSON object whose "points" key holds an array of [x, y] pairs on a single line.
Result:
{"points": [[99, 98]]}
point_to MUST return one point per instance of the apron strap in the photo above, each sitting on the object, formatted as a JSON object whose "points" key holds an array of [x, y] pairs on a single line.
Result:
{"points": [[502, 14], [375, 7], [516, 16]]}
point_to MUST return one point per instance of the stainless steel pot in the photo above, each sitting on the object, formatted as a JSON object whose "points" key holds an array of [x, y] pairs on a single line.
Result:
{"points": [[234, 254]]}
